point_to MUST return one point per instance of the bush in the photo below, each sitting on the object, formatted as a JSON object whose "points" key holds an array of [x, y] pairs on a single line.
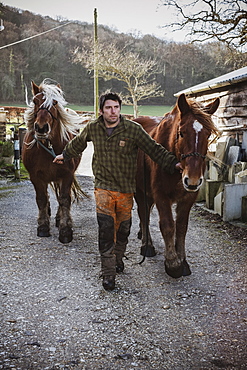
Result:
{"points": [[6, 148]]}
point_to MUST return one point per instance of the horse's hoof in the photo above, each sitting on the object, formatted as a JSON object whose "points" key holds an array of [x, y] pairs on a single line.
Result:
{"points": [[148, 251], [43, 231], [65, 239], [174, 273], [65, 235], [186, 268]]}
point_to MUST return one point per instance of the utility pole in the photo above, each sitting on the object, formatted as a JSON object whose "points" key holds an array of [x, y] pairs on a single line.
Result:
{"points": [[96, 82]]}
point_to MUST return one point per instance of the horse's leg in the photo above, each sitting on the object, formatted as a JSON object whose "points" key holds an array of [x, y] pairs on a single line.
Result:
{"points": [[57, 218], [173, 264], [147, 248], [63, 217], [42, 200], [182, 219]]}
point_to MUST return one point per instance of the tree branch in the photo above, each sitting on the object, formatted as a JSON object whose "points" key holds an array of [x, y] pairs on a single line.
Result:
{"points": [[223, 20]]}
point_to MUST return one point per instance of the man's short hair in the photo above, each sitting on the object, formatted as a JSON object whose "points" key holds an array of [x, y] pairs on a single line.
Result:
{"points": [[109, 96]]}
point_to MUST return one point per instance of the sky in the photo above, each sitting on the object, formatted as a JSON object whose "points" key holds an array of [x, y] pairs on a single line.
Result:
{"points": [[127, 16]]}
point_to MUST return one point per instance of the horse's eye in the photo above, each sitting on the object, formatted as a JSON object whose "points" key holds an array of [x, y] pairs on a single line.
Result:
{"points": [[181, 134], [55, 102]]}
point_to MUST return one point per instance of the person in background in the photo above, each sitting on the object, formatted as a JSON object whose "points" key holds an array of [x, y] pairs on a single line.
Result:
{"points": [[116, 142]]}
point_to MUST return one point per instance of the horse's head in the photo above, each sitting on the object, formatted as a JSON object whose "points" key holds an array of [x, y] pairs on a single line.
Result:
{"points": [[44, 110], [46, 117], [194, 129]]}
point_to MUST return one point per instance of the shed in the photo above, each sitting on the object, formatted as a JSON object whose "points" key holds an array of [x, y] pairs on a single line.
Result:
{"points": [[231, 88], [226, 176]]}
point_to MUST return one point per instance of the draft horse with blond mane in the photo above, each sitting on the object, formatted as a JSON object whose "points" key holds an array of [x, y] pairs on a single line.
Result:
{"points": [[185, 132], [49, 128]]}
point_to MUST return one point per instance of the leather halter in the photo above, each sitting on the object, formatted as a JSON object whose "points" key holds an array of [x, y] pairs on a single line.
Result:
{"points": [[43, 108], [193, 154], [49, 148]]}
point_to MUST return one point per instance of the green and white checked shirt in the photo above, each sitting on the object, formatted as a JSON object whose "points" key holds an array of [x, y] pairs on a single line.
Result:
{"points": [[115, 157]]}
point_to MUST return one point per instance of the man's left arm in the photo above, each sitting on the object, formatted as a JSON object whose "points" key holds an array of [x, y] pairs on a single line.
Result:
{"points": [[159, 154]]}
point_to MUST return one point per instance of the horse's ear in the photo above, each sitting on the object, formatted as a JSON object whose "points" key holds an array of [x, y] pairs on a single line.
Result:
{"points": [[35, 88], [212, 107], [183, 104]]}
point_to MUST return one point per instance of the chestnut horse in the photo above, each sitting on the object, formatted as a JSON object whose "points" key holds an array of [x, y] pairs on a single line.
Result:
{"points": [[185, 132], [49, 127]]}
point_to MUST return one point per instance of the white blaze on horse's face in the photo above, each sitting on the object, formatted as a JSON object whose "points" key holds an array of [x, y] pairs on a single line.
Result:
{"points": [[192, 177], [197, 126], [44, 116]]}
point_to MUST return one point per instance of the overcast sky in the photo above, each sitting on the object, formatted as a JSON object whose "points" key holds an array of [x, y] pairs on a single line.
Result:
{"points": [[145, 16]]}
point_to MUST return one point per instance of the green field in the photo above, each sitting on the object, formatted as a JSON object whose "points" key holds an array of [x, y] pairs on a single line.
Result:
{"points": [[144, 110]]}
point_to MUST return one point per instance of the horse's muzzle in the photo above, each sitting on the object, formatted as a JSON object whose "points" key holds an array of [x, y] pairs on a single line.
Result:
{"points": [[41, 130], [191, 185]]}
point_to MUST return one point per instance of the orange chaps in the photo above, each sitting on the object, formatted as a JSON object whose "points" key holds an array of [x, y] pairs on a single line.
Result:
{"points": [[114, 219]]}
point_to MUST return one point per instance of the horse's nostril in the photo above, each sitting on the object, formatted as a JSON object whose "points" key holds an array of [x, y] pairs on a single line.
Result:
{"points": [[46, 128], [186, 181]]}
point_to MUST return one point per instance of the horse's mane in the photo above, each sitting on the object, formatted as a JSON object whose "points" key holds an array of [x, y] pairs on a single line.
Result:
{"points": [[202, 116], [69, 122]]}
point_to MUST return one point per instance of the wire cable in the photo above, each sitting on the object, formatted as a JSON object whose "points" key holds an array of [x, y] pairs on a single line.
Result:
{"points": [[31, 37]]}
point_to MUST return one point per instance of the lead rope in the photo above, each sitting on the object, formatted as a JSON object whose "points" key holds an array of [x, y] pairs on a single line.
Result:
{"points": [[49, 149], [146, 208]]}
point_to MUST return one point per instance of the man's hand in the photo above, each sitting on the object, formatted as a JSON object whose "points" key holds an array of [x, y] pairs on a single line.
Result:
{"points": [[59, 159]]}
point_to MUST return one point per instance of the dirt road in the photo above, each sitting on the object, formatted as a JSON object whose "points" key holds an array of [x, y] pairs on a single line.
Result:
{"points": [[55, 314]]}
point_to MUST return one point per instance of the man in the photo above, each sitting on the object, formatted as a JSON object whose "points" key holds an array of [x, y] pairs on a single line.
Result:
{"points": [[116, 141]]}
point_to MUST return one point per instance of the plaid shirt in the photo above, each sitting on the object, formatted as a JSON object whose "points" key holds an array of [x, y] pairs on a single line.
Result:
{"points": [[115, 157]]}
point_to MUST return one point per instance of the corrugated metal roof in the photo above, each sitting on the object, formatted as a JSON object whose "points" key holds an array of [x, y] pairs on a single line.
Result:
{"points": [[233, 77]]}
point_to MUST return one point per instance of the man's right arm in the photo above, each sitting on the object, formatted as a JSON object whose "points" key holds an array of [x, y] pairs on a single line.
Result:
{"points": [[74, 147], [59, 159]]}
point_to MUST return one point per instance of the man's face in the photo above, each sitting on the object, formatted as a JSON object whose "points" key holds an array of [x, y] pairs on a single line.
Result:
{"points": [[111, 112]]}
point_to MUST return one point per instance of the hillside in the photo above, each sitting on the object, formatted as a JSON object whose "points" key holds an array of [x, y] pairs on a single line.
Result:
{"points": [[51, 56]]}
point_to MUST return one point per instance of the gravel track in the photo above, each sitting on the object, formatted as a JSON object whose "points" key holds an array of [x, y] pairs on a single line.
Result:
{"points": [[55, 314]]}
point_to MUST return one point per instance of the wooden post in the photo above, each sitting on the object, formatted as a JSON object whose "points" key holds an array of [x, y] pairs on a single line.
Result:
{"points": [[244, 209], [212, 188], [96, 83], [17, 153], [3, 121]]}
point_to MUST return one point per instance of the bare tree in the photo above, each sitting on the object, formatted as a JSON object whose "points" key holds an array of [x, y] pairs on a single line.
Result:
{"points": [[222, 20], [137, 74]]}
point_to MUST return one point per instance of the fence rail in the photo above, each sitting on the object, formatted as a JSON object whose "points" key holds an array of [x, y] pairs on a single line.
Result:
{"points": [[14, 115]]}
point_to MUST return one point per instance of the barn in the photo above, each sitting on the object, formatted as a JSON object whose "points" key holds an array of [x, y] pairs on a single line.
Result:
{"points": [[225, 185]]}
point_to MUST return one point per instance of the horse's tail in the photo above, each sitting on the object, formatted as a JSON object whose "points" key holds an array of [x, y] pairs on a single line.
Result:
{"points": [[76, 190]]}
